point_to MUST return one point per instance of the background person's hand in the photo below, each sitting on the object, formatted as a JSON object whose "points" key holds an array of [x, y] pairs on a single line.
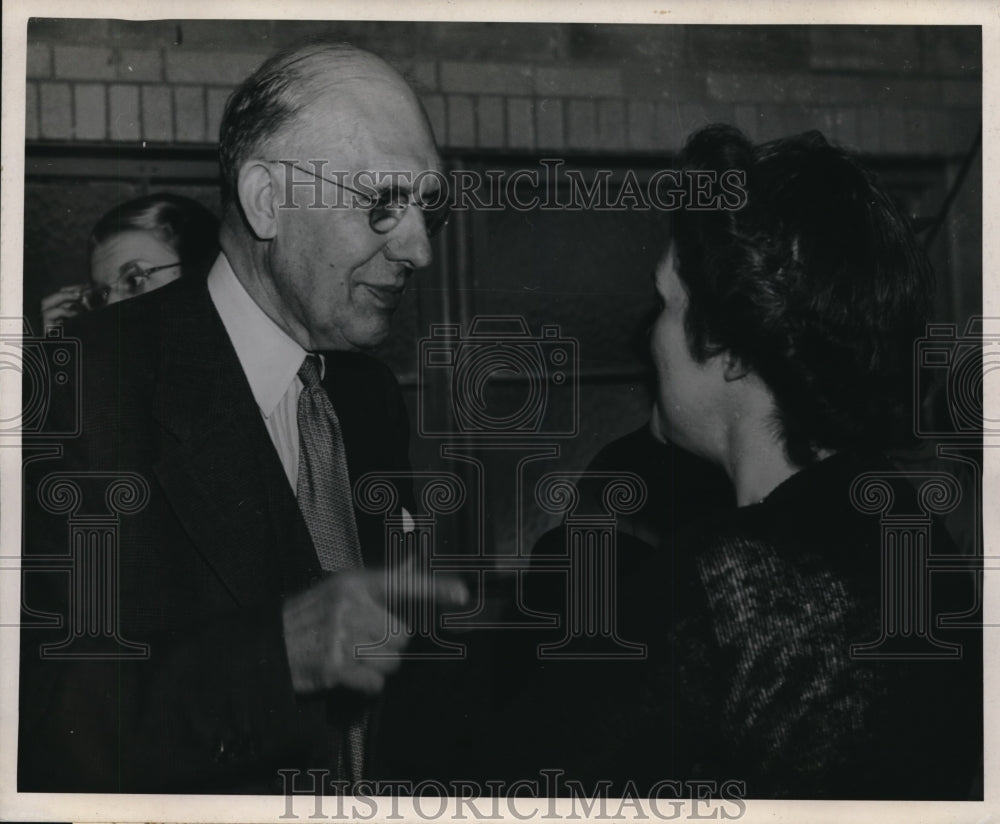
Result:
{"points": [[324, 624], [63, 303]]}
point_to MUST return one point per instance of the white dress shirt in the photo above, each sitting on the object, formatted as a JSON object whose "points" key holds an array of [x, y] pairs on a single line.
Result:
{"points": [[270, 360]]}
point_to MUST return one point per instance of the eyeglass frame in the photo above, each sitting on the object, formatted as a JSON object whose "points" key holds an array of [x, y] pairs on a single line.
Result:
{"points": [[97, 296], [412, 200]]}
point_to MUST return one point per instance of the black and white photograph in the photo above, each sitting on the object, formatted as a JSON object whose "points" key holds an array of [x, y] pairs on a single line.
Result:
{"points": [[451, 414]]}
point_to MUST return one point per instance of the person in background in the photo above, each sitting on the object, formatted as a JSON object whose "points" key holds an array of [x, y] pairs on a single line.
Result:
{"points": [[136, 247]]}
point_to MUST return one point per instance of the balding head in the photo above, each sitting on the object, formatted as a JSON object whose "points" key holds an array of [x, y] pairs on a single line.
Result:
{"points": [[312, 123], [357, 86]]}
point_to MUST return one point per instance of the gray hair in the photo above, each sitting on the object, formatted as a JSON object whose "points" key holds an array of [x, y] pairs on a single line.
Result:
{"points": [[274, 95]]}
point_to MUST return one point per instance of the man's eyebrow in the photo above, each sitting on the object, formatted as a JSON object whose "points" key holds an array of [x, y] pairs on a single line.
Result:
{"points": [[390, 185]]}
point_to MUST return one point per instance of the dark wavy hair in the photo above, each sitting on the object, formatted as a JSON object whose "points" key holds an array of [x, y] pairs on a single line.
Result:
{"points": [[817, 284], [183, 224]]}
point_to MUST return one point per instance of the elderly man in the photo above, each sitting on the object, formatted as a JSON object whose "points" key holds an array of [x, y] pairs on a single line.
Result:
{"points": [[247, 578]]}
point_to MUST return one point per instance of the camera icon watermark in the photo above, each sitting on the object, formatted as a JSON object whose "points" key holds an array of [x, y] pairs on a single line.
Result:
{"points": [[48, 370], [500, 380], [950, 371]]}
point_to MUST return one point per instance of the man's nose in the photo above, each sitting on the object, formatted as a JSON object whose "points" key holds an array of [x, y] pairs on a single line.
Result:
{"points": [[409, 243]]}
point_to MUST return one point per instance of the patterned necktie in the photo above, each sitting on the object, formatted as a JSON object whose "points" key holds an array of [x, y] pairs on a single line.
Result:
{"points": [[324, 494], [324, 488]]}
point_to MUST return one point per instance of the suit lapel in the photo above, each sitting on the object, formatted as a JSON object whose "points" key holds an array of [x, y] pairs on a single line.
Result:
{"points": [[217, 464]]}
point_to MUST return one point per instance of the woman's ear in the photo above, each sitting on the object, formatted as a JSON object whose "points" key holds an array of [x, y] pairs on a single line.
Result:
{"points": [[259, 198], [734, 368]]}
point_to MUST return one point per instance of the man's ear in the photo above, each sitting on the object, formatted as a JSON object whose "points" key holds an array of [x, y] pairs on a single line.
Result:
{"points": [[733, 368], [259, 198]]}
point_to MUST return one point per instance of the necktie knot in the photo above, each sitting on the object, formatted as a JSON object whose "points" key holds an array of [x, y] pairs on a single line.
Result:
{"points": [[309, 371]]}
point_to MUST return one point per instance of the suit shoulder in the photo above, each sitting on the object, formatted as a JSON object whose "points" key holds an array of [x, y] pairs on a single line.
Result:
{"points": [[362, 372], [134, 320], [123, 347], [358, 362]]}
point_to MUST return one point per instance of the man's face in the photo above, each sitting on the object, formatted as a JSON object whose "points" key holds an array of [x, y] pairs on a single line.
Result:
{"points": [[689, 392], [336, 281]]}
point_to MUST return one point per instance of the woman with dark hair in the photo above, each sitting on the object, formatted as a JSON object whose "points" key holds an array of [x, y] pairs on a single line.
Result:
{"points": [[784, 354], [815, 291], [139, 246], [791, 645]]}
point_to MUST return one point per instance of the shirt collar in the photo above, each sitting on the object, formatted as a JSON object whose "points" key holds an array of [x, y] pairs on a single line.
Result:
{"points": [[269, 357]]}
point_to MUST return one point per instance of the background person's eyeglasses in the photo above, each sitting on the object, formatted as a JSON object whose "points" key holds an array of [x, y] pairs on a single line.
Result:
{"points": [[387, 208], [130, 281]]}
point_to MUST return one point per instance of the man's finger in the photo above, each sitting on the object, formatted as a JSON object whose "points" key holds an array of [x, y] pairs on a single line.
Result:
{"points": [[450, 591], [377, 626], [407, 583]]}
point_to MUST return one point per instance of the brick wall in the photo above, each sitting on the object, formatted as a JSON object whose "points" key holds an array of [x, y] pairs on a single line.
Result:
{"points": [[907, 91], [551, 88]]}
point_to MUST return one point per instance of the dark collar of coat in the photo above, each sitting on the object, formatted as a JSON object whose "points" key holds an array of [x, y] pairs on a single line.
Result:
{"points": [[217, 464]]}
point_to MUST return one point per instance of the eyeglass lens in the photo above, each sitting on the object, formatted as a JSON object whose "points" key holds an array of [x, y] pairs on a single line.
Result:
{"points": [[388, 210]]}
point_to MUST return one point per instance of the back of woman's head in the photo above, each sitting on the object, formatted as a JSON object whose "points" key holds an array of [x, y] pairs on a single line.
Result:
{"points": [[190, 229], [818, 285]]}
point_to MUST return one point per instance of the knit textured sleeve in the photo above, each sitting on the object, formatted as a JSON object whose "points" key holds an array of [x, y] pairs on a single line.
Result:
{"points": [[794, 706]]}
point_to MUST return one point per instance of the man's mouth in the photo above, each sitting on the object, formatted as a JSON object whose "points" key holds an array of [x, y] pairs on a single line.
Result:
{"points": [[386, 297]]}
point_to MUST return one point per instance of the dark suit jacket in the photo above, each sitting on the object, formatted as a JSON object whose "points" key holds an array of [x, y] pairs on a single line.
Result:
{"points": [[203, 569]]}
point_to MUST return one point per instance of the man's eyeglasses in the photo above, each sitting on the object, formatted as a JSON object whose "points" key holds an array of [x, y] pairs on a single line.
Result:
{"points": [[387, 207], [131, 281]]}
